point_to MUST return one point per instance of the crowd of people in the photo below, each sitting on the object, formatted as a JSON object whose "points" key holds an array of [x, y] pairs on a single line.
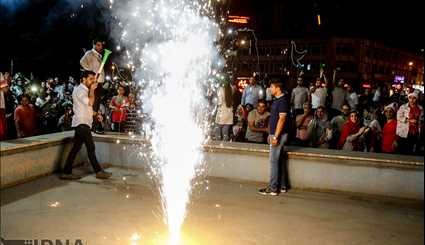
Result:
{"points": [[29, 108], [322, 115], [325, 115]]}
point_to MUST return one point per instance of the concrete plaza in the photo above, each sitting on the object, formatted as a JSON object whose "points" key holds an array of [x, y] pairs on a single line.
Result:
{"points": [[221, 212]]}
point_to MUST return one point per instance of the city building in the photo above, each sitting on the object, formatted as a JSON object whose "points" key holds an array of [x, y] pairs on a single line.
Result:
{"points": [[356, 60]]}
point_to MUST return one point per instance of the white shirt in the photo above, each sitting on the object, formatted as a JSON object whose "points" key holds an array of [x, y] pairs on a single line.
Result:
{"points": [[377, 95], [91, 61], [353, 100], [299, 96], [83, 112], [318, 98]]}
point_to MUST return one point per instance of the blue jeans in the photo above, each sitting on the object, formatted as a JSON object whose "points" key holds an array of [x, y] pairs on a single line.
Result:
{"points": [[223, 132], [277, 175]]}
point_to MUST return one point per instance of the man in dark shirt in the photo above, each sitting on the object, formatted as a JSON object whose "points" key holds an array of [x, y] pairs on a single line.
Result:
{"points": [[279, 119]]}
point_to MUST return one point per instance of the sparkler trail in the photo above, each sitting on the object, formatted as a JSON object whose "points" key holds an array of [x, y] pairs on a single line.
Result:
{"points": [[170, 44]]}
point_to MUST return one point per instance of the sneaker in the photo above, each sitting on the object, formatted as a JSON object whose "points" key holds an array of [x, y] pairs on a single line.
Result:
{"points": [[103, 175], [283, 190], [268, 191], [70, 177]]}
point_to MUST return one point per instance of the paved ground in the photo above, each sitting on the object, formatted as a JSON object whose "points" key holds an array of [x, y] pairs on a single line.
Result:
{"points": [[228, 213]]}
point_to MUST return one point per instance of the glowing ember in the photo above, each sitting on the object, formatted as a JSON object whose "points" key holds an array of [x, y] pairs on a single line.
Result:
{"points": [[135, 238], [54, 204], [170, 45]]}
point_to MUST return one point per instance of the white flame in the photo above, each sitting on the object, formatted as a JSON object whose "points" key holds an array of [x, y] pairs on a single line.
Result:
{"points": [[175, 68]]}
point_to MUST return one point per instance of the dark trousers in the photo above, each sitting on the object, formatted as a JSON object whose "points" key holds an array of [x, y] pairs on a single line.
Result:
{"points": [[408, 146], [99, 94], [118, 127], [82, 136]]}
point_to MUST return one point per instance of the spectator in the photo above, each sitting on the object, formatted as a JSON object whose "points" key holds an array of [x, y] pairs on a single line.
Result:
{"points": [[365, 100], [370, 120], [246, 110], [41, 99], [50, 85], [25, 118], [91, 61], [299, 96], [269, 97], [318, 95], [224, 117], [50, 113], [65, 121], [251, 93], [106, 113], [69, 85], [10, 106], [377, 95], [337, 123], [389, 136], [409, 122], [319, 129], [59, 89], [350, 138], [4, 87], [279, 118], [339, 96], [301, 122], [118, 106], [132, 123], [352, 98], [236, 97], [239, 127], [258, 124]]}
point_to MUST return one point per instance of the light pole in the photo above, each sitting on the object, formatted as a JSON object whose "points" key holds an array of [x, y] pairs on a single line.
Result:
{"points": [[250, 44]]}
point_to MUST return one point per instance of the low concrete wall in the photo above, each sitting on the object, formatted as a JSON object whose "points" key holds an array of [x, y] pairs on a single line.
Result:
{"points": [[317, 169], [22, 160], [354, 172]]}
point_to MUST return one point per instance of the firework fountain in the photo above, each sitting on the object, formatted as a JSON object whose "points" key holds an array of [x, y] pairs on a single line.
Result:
{"points": [[170, 45]]}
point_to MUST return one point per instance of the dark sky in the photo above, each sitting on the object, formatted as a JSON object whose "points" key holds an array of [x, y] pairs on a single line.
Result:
{"points": [[41, 35], [396, 23]]}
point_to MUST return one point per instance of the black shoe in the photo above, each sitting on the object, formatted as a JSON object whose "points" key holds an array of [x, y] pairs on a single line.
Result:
{"points": [[103, 175], [70, 177], [283, 190], [268, 191]]}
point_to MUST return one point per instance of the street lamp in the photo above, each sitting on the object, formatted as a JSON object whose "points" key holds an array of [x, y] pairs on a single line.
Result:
{"points": [[411, 63]]}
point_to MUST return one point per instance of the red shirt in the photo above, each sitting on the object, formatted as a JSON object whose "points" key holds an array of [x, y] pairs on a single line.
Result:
{"points": [[389, 136], [120, 103], [26, 118], [414, 113]]}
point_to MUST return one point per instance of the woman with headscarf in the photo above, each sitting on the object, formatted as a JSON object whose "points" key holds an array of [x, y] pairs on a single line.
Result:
{"points": [[389, 136], [350, 137]]}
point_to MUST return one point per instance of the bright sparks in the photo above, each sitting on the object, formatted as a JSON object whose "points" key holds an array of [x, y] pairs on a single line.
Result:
{"points": [[170, 43]]}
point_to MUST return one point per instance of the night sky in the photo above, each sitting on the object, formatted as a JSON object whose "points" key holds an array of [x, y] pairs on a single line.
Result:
{"points": [[44, 36]]}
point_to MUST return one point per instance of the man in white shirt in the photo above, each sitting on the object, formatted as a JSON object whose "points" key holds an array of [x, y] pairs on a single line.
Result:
{"points": [[251, 94], [83, 99], [352, 98], [91, 61], [258, 123], [318, 96], [300, 95]]}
